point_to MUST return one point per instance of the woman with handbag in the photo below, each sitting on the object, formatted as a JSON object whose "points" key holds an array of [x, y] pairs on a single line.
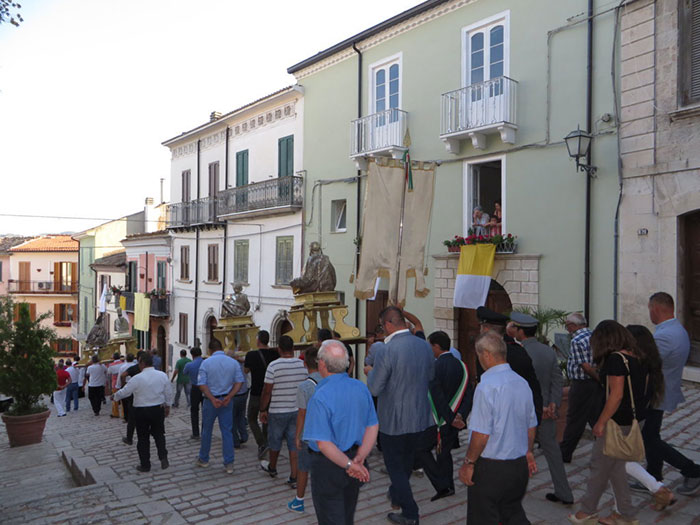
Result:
{"points": [[618, 438]]}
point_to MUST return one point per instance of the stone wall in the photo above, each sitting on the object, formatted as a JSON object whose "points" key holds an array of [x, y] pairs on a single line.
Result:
{"points": [[517, 273]]}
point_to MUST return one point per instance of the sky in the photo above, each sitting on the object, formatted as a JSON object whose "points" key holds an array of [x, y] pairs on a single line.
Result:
{"points": [[90, 89]]}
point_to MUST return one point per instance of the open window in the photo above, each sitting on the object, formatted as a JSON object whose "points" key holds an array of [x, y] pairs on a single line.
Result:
{"points": [[484, 210]]}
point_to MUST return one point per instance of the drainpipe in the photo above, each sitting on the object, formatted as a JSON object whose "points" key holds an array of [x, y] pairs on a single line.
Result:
{"points": [[359, 203], [589, 126], [196, 259], [223, 278]]}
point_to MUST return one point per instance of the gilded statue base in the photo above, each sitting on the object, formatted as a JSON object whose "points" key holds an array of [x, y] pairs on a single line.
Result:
{"points": [[315, 310], [113, 346], [237, 334]]}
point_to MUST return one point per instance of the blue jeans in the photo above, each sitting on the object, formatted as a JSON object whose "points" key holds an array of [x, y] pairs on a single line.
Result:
{"points": [[72, 393], [225, 417], [240, 432], [180, 386]]}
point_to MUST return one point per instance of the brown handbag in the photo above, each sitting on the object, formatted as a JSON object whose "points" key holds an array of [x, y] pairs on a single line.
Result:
{"points": [[628, 447]]}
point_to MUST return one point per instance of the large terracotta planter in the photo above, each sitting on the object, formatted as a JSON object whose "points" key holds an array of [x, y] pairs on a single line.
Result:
{"points": [[563, 409], [25, 430]]}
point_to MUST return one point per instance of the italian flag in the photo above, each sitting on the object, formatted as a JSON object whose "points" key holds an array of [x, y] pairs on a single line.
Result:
{"points": [[474, 275]]}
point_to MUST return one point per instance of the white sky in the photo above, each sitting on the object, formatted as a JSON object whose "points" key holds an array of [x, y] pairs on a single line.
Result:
{"points": [[89, 89]]}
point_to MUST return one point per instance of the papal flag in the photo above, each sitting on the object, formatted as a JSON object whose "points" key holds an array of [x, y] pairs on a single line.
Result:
{"points": [[474, 275]]}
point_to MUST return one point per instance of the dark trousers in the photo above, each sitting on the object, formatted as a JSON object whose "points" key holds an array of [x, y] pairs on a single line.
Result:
{"points": [[334, 493], [658, 451], [72, 394], [260, 434], [498, 491], [240, 431], [96, 394], [150, 421], [128, 404], [439, 467], [399, 455], [195, 404], [585, 405]]}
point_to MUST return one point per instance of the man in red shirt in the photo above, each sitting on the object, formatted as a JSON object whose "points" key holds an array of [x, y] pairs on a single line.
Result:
{"points": [[59, 396]]}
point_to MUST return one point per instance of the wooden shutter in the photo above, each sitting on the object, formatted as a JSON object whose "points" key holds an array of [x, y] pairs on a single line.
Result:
{"points": [[32, 311], [56, 313], [16, 316], [74, 346], [57, 276], [73, 277], [25, 276]]}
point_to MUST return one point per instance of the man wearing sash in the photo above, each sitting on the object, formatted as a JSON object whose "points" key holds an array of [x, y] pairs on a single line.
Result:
{"points": [[450, 402]]}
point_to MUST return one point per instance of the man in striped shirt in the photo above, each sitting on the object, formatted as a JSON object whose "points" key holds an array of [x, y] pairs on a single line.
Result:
{"points": [[278, 406]]}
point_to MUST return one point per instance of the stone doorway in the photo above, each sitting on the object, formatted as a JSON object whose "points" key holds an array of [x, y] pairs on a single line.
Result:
{"points": [[691, 288], [161, 347]]}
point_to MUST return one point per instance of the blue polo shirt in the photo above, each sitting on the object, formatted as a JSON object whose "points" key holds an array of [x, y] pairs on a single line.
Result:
{"points": [[219, 372], [192, 370], [339, 411]]}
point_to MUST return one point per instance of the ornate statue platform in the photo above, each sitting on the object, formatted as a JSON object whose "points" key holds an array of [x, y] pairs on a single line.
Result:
{"points": [[315, 310], [237, 332], [112, 347]]}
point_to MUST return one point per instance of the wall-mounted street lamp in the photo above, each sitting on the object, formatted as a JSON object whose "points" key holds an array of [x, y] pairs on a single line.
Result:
{"points": [[578, 143]]}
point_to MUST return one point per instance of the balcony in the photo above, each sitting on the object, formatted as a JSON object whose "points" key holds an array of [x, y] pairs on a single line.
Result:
{"points": [[379, 134], [160, 306], [270, 197], [192, 213], [42, 287], [479, 110]]}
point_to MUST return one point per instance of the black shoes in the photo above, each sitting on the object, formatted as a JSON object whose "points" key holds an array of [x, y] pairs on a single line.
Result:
{"points": [[555, 499], [127, 441], [395, 517], [164, 463], [143, 469], [444, 493]]}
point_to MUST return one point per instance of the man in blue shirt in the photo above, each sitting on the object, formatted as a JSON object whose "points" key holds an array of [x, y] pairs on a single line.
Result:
{"points": [[191, 370], [503, 423], [220, 378], [341, 428], [674, 348], [399, 379]]}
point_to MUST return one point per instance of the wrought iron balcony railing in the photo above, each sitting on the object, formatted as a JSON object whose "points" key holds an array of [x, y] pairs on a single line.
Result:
{"points": [[379, 133], [160, 306], [49, 287], [273, 194], [200, 211]]}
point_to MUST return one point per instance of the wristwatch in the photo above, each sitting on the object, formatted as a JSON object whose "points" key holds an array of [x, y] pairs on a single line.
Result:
{"points": [[468, 461], [348, 465]]}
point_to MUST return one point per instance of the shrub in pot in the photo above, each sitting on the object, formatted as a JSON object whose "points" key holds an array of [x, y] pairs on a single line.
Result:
{"points": [[26, 371]]}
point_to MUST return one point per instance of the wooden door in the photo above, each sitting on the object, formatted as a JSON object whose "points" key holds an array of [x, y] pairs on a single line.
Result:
{"points": [[25, 276], [161, 347], [468, 324], [373, 309], [692, 283]]}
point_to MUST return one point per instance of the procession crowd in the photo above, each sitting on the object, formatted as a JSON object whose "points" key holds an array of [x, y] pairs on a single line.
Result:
{"points": [[418, 396]]}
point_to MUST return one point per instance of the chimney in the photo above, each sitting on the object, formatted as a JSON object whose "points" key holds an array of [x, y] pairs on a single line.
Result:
{"points": [[214, 115], [150, 221]]}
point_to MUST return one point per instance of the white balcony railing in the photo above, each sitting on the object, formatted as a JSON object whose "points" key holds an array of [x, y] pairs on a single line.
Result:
{"points": [[379, 134], [477, 109]]}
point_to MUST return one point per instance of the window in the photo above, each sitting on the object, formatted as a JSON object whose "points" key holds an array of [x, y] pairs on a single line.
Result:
{"points": [[184, 263], [64, 347], [132, 277], [485, 189], [284, 260], [186, 189], [387, 84], [104, 280], [242, 168], [65, 276], [183, 329], [32, 311], [213, 262], [240, 261], [486, 51], [285, 147], [161, 278], [143, 339], [338, 221], [689, 52], [63, 314]]}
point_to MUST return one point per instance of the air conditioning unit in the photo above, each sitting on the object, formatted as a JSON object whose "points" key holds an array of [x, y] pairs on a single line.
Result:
{"points": [[41, 285]]}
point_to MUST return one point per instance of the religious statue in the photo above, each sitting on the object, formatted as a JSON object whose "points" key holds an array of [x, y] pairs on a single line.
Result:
{"points": [[235, 305], [121, 324], [319, 274], [98, 336]]}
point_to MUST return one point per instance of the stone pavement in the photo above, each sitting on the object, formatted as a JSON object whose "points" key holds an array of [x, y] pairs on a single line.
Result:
{"points": [[36, 484]]}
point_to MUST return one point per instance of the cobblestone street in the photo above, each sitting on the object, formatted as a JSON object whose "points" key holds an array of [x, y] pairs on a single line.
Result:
{"points": [[36, 484]]}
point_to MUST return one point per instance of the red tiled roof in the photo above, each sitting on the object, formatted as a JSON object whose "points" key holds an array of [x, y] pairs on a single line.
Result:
{"points": [[48, 243]]}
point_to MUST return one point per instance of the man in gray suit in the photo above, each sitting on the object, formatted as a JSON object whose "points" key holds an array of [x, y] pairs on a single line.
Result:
{"points": [[399, 380], [551, 382]]}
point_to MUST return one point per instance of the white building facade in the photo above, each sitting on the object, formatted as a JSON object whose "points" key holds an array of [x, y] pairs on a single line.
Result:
{"points": [[236, 215]]}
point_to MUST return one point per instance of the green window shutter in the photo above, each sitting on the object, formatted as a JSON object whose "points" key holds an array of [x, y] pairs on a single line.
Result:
{"points": [[285, 157], [242, 168], [284, 260]]}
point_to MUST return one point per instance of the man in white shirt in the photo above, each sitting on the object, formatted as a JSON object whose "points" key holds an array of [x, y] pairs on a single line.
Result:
{"points": [[153, 395], [96, 377], [73, 387]]}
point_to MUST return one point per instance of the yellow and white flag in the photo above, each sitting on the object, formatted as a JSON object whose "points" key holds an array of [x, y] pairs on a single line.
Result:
{"points": [[474, 275], [142, 311]]}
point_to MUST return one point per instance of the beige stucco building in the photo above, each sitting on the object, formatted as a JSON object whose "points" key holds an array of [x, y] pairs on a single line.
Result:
{"points": [[659, 244]]}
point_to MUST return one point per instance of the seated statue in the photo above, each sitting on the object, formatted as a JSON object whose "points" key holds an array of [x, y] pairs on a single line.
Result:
{"points": [[235, 305], [121, 324], [319, 274], [98, 336]]}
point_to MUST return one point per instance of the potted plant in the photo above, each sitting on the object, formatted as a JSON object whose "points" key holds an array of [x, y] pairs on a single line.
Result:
{"points": [[507, 243], [26, 372]]}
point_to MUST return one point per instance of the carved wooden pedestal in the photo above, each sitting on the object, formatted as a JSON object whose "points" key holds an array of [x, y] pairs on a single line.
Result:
{"points": [[312, 311], [237, 333]]}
